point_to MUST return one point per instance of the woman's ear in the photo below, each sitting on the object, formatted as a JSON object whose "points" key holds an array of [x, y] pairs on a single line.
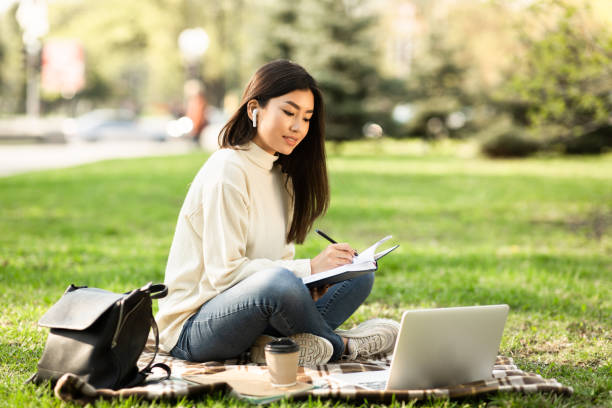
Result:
{"points": [[251, 106]]}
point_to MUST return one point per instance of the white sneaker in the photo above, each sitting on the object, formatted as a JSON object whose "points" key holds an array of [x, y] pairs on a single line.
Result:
{"points": [[314, 350], [376, 336], [258, 354]]}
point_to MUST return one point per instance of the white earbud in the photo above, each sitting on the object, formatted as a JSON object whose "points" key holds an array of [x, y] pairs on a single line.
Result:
{"points": [[254, 117]]}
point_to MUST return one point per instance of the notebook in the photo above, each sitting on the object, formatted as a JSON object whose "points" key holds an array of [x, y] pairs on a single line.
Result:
{"points": [[437, 348], [365, 262]]}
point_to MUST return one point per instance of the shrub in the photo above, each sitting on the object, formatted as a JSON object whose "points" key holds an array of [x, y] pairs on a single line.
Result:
{"points": [[563, 78], [509, 143], [595, 142]]}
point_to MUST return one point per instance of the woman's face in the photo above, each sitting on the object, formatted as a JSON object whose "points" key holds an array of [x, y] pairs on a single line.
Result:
{"points": [[284, 121]]}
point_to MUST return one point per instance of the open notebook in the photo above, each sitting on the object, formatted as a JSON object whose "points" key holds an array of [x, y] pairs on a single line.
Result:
{"points": [[365, 262]]}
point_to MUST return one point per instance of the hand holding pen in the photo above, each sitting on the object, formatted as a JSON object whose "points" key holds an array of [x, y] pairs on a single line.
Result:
{"points": [[330, 239], [336, 254]]}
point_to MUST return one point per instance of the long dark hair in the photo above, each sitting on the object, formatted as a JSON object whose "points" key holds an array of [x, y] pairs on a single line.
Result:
{"points": [[305, 166]]}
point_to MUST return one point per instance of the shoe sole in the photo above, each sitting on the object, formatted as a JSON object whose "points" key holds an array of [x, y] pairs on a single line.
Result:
{"points": [[386, 328], [314, 350]]}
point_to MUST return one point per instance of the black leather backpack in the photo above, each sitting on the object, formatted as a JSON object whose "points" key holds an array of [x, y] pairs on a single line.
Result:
{"points": [[99, 336]]}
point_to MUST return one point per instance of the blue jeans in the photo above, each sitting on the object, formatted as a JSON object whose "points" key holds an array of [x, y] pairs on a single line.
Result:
{"points": [[273, 302]]}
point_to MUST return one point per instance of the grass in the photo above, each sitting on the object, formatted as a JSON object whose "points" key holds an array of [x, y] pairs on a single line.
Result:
{"points": [[535, 234]]}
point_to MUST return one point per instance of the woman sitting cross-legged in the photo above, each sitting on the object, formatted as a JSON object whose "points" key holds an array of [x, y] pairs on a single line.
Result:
{"points": [[233, 283]]}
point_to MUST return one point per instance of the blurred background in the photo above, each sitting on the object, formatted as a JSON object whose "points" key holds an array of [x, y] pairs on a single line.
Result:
{"points": [[514, 77]]}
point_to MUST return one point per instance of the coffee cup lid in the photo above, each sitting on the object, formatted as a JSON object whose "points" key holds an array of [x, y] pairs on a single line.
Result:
{"points": [[282, 345]]}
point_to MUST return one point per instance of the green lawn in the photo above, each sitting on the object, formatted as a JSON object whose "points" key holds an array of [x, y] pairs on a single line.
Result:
{"points": [[535, 234]]}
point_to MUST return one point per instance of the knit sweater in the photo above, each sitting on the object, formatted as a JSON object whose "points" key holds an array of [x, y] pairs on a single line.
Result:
{"points": [[233, 223]]}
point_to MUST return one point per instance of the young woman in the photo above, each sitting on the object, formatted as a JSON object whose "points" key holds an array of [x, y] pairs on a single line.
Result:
{"points": [[231, 275]]}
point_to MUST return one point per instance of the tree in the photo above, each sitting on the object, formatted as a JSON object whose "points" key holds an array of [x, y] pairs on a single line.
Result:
{"points": [[132, 53], [437, 90], [12, 60], [332, 40], [284, 34], [340, 53], [565, 80], [456, 52]]}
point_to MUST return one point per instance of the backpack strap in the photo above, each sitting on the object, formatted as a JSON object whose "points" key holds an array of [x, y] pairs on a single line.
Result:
{"points": [[140, 376], [148, 369], [157, 291]]}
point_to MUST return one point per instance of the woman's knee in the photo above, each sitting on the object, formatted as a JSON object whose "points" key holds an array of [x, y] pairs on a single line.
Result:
{"points": [[280, 282], [363, 284]]}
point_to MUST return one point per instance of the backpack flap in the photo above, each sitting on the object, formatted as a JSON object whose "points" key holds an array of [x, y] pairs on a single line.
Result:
{"points": [[79, 309]]}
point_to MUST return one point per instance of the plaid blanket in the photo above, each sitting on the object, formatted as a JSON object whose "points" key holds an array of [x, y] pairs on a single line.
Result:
{"points": [[506, 377]]}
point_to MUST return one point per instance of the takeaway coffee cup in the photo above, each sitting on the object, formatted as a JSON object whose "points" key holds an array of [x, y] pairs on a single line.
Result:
{"points": [[282, 361]]}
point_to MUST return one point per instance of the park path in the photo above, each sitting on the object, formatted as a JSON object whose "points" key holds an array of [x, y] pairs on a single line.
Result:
{"points": [[15, 159]]}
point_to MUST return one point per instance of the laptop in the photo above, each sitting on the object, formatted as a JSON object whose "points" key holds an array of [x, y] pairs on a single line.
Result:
{"points": [[439, 348]]}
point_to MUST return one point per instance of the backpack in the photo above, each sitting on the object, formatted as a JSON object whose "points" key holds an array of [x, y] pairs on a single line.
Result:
{"points": [[99, 336]]}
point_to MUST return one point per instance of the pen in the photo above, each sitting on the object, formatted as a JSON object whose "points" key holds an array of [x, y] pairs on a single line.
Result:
{"points": [[330, 239], [324, 235]]}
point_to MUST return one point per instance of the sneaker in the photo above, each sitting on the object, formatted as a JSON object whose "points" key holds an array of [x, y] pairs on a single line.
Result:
{"points": [[314, 350], [376, 336], [258, 355]]}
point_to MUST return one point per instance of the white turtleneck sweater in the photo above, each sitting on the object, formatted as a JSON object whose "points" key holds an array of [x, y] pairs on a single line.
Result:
{"points": [[233, 223]]}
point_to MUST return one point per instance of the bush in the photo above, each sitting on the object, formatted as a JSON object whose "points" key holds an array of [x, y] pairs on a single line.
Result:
{"points": [[509, 143], [563, 78], [595, 142]]}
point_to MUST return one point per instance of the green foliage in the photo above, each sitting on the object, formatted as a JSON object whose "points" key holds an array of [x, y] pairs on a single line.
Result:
{"points": [[438, 73], [130, 48], [132, 54], [471, 232], [283, 36], [333, 40], [2, 57], [593, 142], [436, 88], [345, 67], [12, 73], [564, 78]]}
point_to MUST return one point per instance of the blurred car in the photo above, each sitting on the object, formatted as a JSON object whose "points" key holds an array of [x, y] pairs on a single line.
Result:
{"points": [[115, 124]]}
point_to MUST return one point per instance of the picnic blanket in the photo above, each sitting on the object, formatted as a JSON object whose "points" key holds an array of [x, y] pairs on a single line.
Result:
{"points": [[506, 377]]}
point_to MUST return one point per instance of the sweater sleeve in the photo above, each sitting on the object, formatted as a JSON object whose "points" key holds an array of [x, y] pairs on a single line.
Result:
{"points": [[224, 240]]}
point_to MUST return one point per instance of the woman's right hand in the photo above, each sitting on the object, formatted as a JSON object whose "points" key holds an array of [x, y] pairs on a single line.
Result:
{"points": [[331, 257]]}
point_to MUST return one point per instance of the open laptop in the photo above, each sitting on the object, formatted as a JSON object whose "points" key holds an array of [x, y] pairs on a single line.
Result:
{"points": [[437, 348]]}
